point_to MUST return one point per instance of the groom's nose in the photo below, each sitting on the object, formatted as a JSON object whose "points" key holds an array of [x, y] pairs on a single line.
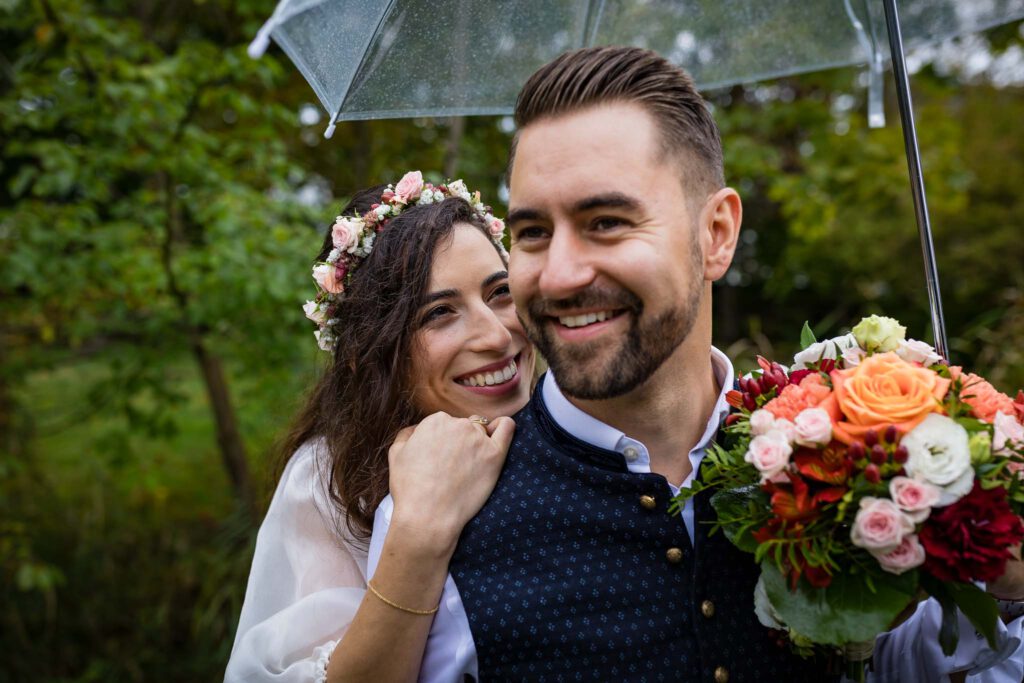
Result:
{"points": [[568, 267]]}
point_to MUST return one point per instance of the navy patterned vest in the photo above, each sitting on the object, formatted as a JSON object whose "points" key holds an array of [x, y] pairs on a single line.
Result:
{"points": [[571, 572]]}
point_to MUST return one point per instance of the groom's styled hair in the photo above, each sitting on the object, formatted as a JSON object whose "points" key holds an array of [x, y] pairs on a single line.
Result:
{"points": [[601, 75]]}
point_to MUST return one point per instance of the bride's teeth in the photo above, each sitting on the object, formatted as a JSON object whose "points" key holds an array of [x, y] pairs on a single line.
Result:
{"points": [[488, 379]]}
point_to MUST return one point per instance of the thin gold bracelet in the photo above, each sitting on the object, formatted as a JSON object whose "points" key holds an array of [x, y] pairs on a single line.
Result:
{"points": [[420, 612]]}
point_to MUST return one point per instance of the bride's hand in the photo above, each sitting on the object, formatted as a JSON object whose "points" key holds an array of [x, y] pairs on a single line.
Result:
{"points": [[441, 473]]}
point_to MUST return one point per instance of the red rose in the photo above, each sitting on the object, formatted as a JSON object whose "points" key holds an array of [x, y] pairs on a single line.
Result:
{"points": [[970, 539]]}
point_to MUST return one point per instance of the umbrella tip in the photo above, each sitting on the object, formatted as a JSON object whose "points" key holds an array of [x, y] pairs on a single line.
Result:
{"points": [[330, 131], [259, 45]]}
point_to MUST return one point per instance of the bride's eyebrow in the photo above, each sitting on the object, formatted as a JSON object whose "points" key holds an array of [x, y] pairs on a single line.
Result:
{"points": [[437, 296], [496, 276]]}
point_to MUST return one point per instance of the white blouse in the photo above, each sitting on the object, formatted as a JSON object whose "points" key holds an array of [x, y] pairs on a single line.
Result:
{"points": [[307, 580]]}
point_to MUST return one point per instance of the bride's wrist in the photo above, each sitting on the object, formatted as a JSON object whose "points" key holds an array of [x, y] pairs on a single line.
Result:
{"points": [[417, 538]]}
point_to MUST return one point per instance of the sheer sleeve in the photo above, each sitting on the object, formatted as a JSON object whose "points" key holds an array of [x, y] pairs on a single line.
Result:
{"points": [[308, 577]]}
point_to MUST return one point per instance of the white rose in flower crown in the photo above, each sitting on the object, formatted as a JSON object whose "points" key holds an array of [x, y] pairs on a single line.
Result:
{"points": [[346, 232], [813, 427], [769, 453], [938, 452], [1006, 432], [914, 351], [761, 422], [906, 556], [828, 349], [915, 498], [879, 334], [879, 525], [458, 189], [315, 312]]}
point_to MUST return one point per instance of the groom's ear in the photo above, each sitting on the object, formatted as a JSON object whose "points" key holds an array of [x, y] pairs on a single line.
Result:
{"points": [[719, 225]]}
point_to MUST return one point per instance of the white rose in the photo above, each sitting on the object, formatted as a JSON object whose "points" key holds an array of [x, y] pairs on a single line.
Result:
{"points": [[315, 312], [938, 452], [769, 453], [879, 334], [813, 427], [914, 351], [764, 609], [761, 422], [830, 348]]}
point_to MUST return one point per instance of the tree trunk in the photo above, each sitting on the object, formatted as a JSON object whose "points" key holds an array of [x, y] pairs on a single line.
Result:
{"points": [[229, 439]]}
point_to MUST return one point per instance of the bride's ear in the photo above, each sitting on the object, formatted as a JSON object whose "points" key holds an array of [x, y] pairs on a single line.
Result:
{"points": [[719, 225]]}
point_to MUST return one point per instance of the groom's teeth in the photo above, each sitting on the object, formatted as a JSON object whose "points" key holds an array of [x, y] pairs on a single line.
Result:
{"points": [[584, 319], [489, 379]]}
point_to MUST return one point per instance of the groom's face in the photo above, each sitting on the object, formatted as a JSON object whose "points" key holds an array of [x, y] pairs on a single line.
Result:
{"points": [[606, 266]]}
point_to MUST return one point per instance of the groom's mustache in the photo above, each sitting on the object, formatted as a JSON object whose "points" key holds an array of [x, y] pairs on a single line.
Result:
{"points": [[593, 297]]}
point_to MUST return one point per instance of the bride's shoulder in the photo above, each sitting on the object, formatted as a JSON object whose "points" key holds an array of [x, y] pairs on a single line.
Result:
{"points": [[305, 482]]}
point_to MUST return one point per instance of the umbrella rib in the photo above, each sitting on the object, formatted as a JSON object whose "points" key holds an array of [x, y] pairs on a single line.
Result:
{"points": [[355, 72]]}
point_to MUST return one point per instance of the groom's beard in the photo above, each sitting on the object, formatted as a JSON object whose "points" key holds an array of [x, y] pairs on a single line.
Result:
{"points": [[607, 368]]}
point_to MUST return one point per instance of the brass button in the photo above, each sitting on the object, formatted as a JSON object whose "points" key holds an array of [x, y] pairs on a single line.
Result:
{"points": [[674, 555], [707, 608], [648, 502], [721, 674]]}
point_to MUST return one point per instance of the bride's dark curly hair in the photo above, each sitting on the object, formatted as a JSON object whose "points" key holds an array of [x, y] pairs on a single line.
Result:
{"points": [[364, 396]]}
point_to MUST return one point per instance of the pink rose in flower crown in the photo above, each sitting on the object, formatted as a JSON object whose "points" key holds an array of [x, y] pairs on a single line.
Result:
{"points": [[983, 398], [907, 555], [879, 526], [769, 453], [409, 187], [915, 498], [345, 233], [813, 427], [330, 277], [1007, 432], [496, 228]]}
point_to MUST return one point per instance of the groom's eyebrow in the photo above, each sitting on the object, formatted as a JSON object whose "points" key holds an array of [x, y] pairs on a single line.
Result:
{"points": [[520, 215], [608, 200]]}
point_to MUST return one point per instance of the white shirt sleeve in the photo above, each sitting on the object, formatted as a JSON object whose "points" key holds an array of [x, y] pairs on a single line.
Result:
{"points": [[307, 580], [911, 652], [450, 654]]}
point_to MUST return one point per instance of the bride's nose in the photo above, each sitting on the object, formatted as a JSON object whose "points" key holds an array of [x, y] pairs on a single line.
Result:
{"points": [[489, 333]]}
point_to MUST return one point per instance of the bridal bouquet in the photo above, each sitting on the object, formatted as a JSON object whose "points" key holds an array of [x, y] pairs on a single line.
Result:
{"points": [[865, 476]]}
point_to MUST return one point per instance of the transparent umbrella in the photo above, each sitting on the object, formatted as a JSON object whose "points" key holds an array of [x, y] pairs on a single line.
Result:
{"points": [[369, 59]]}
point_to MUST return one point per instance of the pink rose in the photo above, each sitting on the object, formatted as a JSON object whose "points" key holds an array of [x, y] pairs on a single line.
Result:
{"points": [[879, 525], [409, 187], [769, 453], [914, 497], [496, 228], [345, 233], [907, 555], [813, 427], [761, 422], [785, 429], [329, 277], [1007, 432]]}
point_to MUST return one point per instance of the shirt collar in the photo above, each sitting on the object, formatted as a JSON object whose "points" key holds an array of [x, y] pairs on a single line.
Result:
{"points": [[589, 429]]}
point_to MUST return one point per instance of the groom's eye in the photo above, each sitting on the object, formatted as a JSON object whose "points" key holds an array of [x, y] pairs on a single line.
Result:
{"points": [[530, 232], [605, 223]]}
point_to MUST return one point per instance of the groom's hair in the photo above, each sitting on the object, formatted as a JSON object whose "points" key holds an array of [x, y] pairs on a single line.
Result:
{"points": [[601, 75]]}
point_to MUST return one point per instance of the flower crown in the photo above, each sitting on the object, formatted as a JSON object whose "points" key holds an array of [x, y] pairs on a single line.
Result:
{"points": [[353, 237]]}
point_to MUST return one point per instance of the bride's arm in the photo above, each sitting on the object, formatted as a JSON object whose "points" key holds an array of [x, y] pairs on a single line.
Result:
{"points": [[441, 474]]}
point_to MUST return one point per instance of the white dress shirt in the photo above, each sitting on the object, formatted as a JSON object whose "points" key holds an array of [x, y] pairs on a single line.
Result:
{"points": [[910, 653]]}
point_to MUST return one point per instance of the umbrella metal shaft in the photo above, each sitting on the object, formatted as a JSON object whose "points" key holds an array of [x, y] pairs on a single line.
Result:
{"points": [[906, 107]]}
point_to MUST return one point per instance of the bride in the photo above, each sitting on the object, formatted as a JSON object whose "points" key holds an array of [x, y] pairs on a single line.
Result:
{"points": [[428, 360]]}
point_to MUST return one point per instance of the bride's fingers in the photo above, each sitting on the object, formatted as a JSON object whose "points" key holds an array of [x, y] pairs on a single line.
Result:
{"points": [[402, 437], [501, 431]]}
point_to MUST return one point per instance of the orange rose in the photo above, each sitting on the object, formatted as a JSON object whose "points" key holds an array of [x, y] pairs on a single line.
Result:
{"points": [[884, 390], [984, 399], [798, 397]]}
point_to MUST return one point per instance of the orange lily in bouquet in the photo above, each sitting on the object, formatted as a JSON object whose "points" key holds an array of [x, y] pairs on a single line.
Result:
{"points": [[864, 476]]}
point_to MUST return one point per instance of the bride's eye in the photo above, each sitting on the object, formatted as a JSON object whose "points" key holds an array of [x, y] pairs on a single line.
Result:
{"points": [[501, 292], [435, 313]]}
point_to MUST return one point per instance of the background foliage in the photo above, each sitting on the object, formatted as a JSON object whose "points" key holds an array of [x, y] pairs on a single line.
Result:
{"points": [[161, 196]]}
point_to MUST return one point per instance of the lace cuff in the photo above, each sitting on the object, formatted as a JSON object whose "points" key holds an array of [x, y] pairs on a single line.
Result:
{"points": [[323, 656]]}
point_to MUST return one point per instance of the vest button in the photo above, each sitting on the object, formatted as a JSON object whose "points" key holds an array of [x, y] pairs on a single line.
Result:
{"points": [[707, 608], [721, 674], [648, 502], [674, 555]]}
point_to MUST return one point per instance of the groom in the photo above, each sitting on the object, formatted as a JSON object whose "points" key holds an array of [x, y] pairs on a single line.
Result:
{"points": [[620, 222]]}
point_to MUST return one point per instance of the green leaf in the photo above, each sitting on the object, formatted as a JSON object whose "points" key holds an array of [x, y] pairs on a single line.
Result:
{"points": [[806, 336], [979, 607], [846, 611], [949, 631], [735, 504]]}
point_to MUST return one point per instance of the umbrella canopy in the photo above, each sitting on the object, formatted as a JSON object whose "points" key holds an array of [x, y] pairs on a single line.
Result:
{"points": [[369, 59]]}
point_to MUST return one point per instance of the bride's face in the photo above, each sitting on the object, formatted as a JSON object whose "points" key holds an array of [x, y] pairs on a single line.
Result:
{"points": [[470, 354]]}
